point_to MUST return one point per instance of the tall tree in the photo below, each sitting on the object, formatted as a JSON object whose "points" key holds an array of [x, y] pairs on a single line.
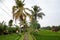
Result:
{"points": [[36, 12], [19, 12]]}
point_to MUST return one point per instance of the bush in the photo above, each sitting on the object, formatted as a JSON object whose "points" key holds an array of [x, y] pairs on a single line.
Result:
{"points": [[35, 25], [12, 30], [3, 28]]}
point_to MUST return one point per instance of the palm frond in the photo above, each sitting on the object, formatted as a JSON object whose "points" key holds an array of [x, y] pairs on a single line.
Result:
{"points": [[17, 15], [24, 16], [27, 14], [41, 14], [23, 1], [19, 3], [36, 8], [28, 9], [32, 12], [13, 10]]}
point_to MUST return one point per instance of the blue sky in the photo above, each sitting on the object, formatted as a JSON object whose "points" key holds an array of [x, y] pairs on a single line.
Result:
{"points": [[51, 8]]}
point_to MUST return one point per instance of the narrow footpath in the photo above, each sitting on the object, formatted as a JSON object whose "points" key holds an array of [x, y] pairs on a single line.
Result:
{"points": [[26, 36]]}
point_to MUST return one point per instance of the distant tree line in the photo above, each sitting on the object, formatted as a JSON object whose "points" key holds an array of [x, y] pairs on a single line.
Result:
{"points": [[53, 28]]}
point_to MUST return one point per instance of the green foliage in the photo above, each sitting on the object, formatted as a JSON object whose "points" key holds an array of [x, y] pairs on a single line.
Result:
{"points": [[3, 28], [19, 3], [38, 26], [9, 37], [10, 22], [11, 29], [36, 12], [35, 25], [36, 8], [17, 27]]}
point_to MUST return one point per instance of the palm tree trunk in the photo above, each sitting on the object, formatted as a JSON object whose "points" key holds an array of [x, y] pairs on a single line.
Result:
{"points": [[35, 16], [20, 29]]}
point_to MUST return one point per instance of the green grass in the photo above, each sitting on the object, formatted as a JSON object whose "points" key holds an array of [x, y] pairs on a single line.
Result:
{"points": [[22, 37], [30, 36], [47, 35], [41, 35], [9, 37]]}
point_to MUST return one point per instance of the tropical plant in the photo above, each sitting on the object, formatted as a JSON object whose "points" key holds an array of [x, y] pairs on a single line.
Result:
{"points": [[3, 28], [10, 23], [38, 26], [36, 13], [19, 12]]}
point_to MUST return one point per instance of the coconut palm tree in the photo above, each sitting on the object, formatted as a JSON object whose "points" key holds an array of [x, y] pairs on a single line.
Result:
{"points": [[37, 12], [19, 12]]}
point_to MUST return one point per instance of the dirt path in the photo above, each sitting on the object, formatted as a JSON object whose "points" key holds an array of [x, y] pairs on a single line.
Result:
{"points": [[26, 36]]}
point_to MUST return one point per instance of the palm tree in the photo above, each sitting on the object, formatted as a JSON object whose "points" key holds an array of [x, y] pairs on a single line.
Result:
{"points": [[19, 12], [37, 12]]}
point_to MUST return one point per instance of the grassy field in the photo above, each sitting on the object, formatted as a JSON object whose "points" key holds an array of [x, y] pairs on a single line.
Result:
{"points": [[47, 35], [41, 35], [9, 37]]}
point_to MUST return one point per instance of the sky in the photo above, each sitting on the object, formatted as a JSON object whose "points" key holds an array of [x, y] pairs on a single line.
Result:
{"points": [[50, 8]]}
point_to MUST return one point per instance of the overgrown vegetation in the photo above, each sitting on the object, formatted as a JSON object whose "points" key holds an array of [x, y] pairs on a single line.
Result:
{"points": [[4, 29]]}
